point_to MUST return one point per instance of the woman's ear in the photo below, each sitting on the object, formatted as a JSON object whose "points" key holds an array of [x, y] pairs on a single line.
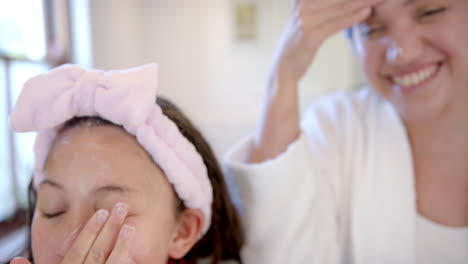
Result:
{"points": [[187, 233]]}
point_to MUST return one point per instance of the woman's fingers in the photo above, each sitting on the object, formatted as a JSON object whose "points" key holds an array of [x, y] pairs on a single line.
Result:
{"points": [[105, 241], [20, 261], [335, 25], [311, 23], [344, 13], [80, 248], [121, 251]]}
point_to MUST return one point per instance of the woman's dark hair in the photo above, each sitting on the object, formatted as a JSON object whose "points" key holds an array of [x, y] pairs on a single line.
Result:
{"points": [[224, 238], [349, 34]]}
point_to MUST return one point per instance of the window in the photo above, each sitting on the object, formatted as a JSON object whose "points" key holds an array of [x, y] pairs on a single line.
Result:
{"points": [[8, 205], [23, 29], [23, 142], [34, 36]]}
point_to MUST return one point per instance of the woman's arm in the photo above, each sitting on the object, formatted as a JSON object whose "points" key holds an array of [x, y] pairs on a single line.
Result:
{"points": [[312, 22]]}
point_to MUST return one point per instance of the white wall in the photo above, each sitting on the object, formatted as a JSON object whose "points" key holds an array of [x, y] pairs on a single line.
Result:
{"points": [[216, 79]]}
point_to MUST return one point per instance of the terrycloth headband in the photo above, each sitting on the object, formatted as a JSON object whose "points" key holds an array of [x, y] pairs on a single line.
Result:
{"points": [[125, 98]]}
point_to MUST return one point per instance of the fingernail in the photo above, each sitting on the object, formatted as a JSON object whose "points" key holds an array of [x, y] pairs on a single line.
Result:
{"points": [[22, 260], [127, 231], [121, 209], [101, 216]]}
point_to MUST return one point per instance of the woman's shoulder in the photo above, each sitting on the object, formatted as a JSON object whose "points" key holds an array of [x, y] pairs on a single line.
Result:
{"points": [[345, 116], [345, 107], [345, 101]]}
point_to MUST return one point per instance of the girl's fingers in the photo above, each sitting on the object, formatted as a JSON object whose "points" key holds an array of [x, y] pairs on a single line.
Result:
{"points": [[102, 246], [121, 251], [79, 250], [20, 261]]}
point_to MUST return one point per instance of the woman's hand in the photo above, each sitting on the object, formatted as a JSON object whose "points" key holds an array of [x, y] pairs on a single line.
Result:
{"points": [[311, 23], [104, 239]]}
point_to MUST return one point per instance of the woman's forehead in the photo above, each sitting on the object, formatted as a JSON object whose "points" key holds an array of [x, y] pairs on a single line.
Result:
{"points": [[392, 6], [389, 6]]}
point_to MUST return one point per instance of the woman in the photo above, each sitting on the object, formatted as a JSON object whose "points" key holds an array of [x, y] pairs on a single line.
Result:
{"points": [[374, 176]]}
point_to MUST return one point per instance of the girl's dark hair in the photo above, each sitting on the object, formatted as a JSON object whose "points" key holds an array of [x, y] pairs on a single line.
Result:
{"points": [[224, 238]]}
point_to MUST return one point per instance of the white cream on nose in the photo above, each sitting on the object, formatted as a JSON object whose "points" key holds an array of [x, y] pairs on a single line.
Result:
{"points": [[393, 51]]}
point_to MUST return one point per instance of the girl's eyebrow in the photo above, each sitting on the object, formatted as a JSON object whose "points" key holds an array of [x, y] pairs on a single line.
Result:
{"points": [[114, 189], [51, 183], [409, 2], [102, 189]]}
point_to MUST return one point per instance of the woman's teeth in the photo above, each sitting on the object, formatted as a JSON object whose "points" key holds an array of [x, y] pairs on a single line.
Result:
{"points": [[415, 78]]}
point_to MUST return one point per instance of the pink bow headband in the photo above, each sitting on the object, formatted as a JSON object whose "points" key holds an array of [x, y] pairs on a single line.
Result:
{"points": [[125, 98]]}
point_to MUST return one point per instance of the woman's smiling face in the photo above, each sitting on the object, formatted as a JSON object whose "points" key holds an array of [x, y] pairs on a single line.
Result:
{"points": [[414, 53], [90, 168]]}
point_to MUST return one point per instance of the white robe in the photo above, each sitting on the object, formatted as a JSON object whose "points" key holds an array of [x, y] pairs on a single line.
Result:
{"points": [[343, 192]]}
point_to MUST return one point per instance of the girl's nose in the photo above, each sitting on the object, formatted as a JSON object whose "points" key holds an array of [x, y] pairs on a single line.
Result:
{"points": [[72, 226]]}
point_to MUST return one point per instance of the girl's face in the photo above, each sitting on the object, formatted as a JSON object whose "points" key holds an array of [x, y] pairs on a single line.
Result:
{"points": [[414, 54], [90, 168]]}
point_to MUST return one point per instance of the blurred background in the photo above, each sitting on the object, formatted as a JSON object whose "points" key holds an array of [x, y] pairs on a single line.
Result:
{"points": [[213, 55]]}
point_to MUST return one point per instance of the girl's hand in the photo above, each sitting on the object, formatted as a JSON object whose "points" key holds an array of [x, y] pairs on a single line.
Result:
{"points": [[20, 261], [104, 239], [312, 22]]}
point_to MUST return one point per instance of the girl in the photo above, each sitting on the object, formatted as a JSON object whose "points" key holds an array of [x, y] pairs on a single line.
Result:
{"points": [[374, 176], [118, 178]]}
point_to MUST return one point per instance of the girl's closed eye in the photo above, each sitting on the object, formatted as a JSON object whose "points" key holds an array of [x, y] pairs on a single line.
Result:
{"points": [[52, 214], [50, 205]]}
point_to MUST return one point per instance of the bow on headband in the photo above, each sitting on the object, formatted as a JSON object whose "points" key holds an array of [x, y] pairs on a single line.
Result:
{"points": [[125, 98]]}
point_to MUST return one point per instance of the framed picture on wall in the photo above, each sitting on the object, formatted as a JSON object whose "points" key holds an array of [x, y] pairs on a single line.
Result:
{"points": [[245, 21]]}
